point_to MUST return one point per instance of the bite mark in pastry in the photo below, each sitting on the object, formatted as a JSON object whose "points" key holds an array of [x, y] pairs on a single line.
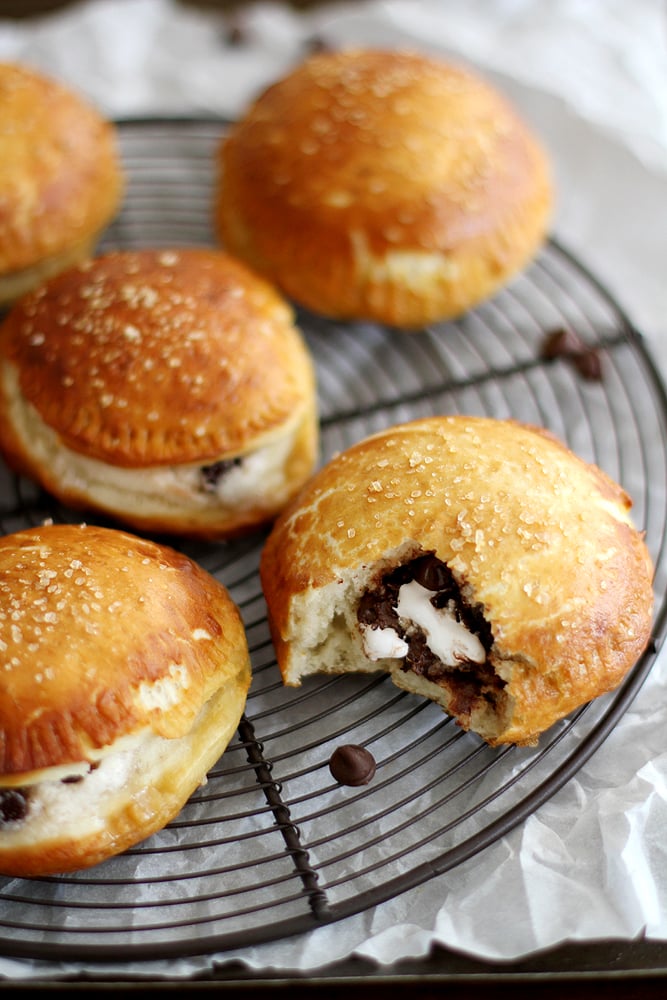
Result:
{"points": [[479, 562]]}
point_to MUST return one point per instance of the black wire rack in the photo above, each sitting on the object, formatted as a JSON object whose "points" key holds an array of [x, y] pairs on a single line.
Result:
{"points": [[272, 846]]}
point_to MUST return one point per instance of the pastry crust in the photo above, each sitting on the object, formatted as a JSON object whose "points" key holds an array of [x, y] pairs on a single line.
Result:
{"points": [[125, 673], [61, 180], [538, 542], [383, 185], [125, 377]]}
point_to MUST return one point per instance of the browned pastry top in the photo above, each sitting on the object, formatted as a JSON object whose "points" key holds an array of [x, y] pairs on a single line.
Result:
{"points": [[102, 634], [438, 129], [159, 356], [537, 538], [359, 156], [60, 173]]}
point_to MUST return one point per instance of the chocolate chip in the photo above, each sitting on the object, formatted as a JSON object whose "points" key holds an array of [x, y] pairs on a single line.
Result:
{"points": [[236, 33], [352, 765], [74, 779], [377, 606], [212, 474], [431, 573], [564, 342], [317, 44], [13, 805], [589, 365]]}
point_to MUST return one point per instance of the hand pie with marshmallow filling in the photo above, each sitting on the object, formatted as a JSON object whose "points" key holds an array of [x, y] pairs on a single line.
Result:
{"points": [[167, 388], [479, 562], [61, 178], [125, 671]]}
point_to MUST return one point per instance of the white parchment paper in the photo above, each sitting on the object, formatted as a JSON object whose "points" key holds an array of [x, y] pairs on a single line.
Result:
{"points": [[592, 77]]}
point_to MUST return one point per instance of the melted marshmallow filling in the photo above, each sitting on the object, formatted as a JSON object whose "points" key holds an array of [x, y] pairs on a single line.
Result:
{"points": [[257, 479], [68, 793], [416, 614]]}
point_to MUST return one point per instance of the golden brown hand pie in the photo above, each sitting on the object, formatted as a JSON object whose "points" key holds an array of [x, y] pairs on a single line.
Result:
{"points": [[125, 671], [478, 561], [383, 185], [168, 388], [61, 180]]}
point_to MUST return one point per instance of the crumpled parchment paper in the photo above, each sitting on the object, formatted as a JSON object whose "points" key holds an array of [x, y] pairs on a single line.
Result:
{"points": [[592, 862]]}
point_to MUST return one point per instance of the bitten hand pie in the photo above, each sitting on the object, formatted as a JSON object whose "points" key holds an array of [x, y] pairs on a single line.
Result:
{"points": [[167, 388], [125, 670], [383, 185], [478, 561], [61, 180]]}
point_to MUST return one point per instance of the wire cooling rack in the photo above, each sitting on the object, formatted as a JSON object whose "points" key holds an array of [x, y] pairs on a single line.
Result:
{"points": [[271, 846]]}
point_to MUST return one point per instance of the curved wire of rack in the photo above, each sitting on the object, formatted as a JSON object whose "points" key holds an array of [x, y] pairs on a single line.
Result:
{"points": [[272, 846]]}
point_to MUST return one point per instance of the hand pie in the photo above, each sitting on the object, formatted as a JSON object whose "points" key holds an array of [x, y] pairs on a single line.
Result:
{"points": [[125, 671], [479, 562], [169, 389], [383, 185], [61, 179]]}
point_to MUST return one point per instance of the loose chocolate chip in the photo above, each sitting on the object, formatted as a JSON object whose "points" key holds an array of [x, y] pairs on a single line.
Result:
{"points": [[589, 365], [352, 765], [566, 343], [562, 342], [13, 805]]}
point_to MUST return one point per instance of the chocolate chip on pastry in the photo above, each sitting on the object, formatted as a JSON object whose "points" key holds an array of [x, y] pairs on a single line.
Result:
{"points": [[167, 388], [478, 561], [61, 179], [383, 185], [125, 671]]}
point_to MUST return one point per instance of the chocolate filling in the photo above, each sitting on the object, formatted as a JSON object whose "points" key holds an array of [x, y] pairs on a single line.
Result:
{"points": [[74, 779], [15, 802], [466, 682], [210, 475], [13, 805]]}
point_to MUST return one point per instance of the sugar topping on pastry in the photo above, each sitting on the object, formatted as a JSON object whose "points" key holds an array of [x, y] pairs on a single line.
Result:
{"points": [[479, 562], [385, 185], [125, 670], [169, 388], [61, 178]]}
